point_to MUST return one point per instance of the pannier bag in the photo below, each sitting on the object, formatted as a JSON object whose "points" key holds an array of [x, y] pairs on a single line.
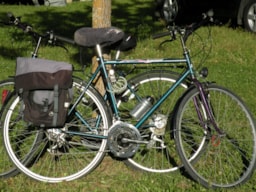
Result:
{"points": [[45, 88]]}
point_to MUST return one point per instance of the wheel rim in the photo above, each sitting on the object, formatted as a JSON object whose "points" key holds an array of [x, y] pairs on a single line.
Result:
{"points": [[78, 155], [251, 17], [225, 161]]}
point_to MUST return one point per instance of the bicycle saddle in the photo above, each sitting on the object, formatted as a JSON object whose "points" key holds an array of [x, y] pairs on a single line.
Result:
{"points": [[110, 37]]}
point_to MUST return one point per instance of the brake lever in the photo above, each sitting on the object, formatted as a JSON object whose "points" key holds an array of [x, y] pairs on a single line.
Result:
{"points": [[166, 41], [173, 37], [52, 41], [62, 46], [57, 44]]}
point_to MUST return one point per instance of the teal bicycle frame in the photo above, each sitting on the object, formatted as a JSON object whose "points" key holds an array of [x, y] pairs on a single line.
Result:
{"points": [[110, 96]]}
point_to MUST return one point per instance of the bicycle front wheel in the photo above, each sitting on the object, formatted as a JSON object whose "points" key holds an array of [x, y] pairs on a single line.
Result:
{"points": [[225, 151], [159, 155], [63, 154]]}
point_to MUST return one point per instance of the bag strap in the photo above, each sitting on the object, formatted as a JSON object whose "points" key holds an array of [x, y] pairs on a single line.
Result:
{"points": [[22, 105], [55, 105]]}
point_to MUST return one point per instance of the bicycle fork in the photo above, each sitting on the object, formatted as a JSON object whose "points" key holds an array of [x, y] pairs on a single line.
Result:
{"points": [[205, 113]]}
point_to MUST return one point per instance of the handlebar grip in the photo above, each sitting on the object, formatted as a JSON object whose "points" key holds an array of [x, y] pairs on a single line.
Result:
{"points": [[159, 35], [17, 22], [64, 39], [11, 16]]}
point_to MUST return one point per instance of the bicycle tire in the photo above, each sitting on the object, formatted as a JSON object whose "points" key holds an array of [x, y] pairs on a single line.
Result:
{"points": [[7, 169], [153, 157], [77, 155], [228, 157], [6, 87]]}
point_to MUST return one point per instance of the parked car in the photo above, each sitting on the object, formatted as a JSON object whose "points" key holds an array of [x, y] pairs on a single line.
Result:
{"points": [[31, 2], [239, 12], [25, 2]]}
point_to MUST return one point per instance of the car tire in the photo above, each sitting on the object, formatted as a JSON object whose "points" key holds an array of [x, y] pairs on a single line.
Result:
{"points": [[38, 2], [167, 10], [249, 16]]}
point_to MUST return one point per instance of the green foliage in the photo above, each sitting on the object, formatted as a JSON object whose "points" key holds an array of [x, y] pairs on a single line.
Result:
{"points": [[230, 62]]}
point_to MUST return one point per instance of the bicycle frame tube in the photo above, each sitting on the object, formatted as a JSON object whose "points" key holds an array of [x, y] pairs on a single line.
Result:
{"points": [[146, 61], [110, 96], [188, 72], [163, 98]]}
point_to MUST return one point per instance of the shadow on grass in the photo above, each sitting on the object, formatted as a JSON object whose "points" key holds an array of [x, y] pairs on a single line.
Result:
{"points": [[133, 16]]}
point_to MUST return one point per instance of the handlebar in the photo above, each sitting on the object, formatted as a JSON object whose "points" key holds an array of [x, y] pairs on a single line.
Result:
{"points": [[186, 31], [49, 35], [64, 39], [16, 21], [163, 34]]}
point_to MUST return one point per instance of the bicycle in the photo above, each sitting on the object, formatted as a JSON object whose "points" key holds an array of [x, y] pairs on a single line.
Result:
{"points": [[199, 125], [146, 79]]}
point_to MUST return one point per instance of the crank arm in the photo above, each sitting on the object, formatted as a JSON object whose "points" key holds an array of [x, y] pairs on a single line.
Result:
{"points": [[125, 140]]}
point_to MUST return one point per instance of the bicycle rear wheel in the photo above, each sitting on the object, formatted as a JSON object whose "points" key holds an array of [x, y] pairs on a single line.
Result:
{"points": [[159, 155], [227, 157], [7, 169], [6, 87], [64, 154]]}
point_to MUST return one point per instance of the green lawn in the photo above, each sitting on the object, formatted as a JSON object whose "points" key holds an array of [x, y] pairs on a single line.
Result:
{"points": [[230, 62]]}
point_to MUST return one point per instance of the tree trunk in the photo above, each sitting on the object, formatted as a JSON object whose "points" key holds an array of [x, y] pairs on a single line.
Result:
{"points": [[101, 17], [101, 13]]}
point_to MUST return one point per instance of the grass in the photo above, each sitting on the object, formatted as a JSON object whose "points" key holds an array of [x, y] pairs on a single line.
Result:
{"points": [[231, 63]]}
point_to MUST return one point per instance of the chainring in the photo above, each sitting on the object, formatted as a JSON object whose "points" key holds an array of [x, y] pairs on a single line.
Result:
{"points": [[122, 140]]}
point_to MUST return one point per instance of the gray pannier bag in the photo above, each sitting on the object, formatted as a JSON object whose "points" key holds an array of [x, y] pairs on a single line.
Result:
{"points": [[45, 88]]}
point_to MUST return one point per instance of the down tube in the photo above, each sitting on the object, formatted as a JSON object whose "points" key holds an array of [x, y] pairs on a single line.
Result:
{"points": [[162, 99]]}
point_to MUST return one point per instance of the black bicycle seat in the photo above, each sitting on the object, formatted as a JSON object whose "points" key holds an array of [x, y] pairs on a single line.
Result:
{"points": [[110, 37], [90, 37]]}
